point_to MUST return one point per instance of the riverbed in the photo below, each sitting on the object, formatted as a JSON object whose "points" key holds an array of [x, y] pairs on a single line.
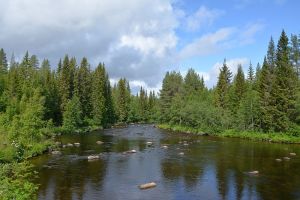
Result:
{"points": [[182, 166]]}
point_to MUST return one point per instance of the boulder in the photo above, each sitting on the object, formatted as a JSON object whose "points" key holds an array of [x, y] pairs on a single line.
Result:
{"points": [[181, 153], [164, 146], [253, 172], [147, 185], [132, 151], [93, 157], [99, 142], [292, 154], [76, 144], [149, 143], [70, 145], [278, 159], [56, 153]]}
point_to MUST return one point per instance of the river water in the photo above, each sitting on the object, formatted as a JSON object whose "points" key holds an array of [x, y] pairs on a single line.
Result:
{"points": [[210, 167]]}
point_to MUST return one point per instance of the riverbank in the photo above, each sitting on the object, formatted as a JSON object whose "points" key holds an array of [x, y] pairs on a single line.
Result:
{"points": [[248, 135]]}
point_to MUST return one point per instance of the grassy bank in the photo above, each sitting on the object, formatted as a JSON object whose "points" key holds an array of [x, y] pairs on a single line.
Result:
{"points": [[248, 135]]}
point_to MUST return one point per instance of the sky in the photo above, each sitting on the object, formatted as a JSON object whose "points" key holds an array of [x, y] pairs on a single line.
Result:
{"points": [[142, 39]]}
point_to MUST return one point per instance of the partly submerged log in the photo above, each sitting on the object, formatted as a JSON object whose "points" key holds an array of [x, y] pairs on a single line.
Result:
{"points": [[147, 185]]}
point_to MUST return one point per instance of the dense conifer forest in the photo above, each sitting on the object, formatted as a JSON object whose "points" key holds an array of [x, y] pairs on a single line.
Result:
{"points": [[39, 101]]}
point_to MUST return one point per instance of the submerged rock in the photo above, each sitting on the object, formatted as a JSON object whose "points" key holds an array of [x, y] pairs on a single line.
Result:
{"points": [[99, 142], [93, 157], [149, 143], [147, 185], [70, 145], [253, 172], [56, 153], [77, 144]]}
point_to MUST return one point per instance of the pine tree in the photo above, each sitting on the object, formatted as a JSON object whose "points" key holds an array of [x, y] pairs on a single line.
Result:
{"points": [[193, 85], [238, 90], [98, 95], [265, 97], [295, 53], [171, 86], [83, 87], [123, 99], [223, 85], [250, 76], [3, 62], [271, 56], [143, 107], [284, 87], [72, 117]]}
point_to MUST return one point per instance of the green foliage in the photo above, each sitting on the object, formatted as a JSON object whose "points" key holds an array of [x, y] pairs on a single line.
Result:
{"points": [[15, 181], [72, 119]]}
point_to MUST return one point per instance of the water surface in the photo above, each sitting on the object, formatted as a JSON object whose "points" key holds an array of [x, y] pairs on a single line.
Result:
{"points": [[211, 168]]}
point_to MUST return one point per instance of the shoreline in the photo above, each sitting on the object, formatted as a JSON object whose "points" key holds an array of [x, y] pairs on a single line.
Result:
{"points": [[230, 133]]}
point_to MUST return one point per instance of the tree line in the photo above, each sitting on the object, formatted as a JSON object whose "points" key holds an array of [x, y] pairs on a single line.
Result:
{"points": [[265, 99]]}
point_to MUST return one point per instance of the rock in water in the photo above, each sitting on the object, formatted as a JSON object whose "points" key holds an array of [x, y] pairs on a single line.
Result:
{"points": [[286, 158], [164, 147], [181, 153], [292, 154], [149, 143], [99, 142], [56, 153], [278, 159], [70, 145], [253, 172], [132, 151], [77, 144], [93, 157], [147, 185]]}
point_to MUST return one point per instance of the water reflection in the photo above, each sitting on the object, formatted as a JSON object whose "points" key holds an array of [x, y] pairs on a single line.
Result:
{"points": [[211, 168]]}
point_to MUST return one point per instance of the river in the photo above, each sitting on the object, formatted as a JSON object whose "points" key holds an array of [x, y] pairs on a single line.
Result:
{"points": [[190, 167]]}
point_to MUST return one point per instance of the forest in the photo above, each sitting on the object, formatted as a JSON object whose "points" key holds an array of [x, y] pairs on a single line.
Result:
{"points": [[39, 101]]}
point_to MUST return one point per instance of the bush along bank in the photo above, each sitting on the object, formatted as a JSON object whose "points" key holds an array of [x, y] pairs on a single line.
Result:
{"points": [[288, 138]]}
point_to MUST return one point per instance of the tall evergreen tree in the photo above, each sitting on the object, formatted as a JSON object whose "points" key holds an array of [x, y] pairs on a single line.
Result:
{"points": [[98, 95], [223, 84], [123, 99], [284, 87], [295, 53], [171, 86], [83, 87]]}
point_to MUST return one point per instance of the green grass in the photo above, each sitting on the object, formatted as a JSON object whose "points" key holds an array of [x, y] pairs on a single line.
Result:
{"points": [[249, 135]]}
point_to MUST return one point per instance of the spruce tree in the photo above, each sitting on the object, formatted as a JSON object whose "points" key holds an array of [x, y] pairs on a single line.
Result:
{"points": [[83, 87], [265, 97], [98, 95], [285, 86], [223, 85], [171, 86]]}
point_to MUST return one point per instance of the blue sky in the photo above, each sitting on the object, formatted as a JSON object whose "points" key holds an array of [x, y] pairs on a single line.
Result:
{"points": [[262, 18], [142, 39]]}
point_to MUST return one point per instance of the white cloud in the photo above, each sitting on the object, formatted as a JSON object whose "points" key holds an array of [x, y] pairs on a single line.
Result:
{"points": [[134, 38], [202, 17], [248, 35], [207, 44]]}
